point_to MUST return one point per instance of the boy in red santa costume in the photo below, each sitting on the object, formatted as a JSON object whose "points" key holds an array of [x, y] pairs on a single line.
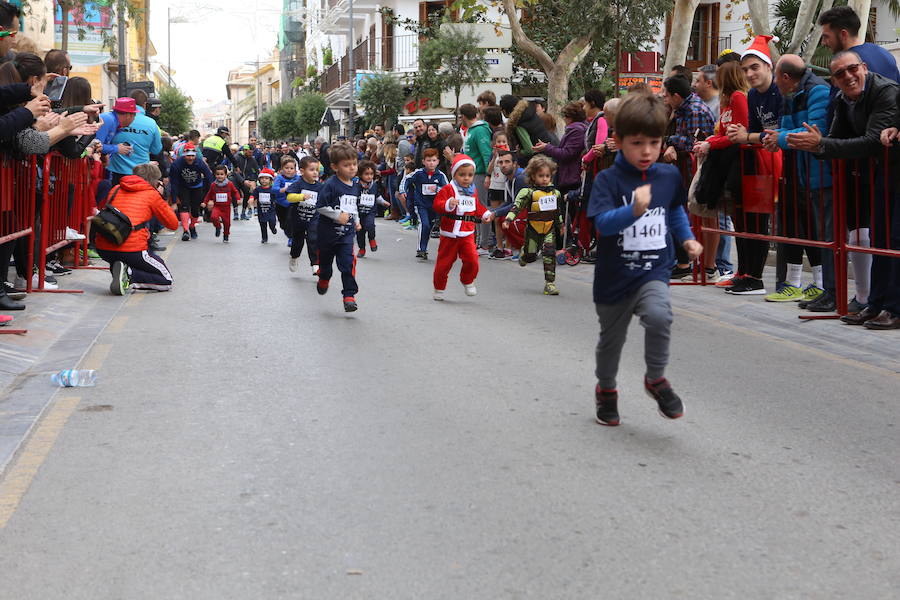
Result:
{"points": [[459, 209]]}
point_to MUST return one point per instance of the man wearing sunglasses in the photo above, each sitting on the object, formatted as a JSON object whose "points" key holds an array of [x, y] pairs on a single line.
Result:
{"points": [[9, 27], [866, 105]]}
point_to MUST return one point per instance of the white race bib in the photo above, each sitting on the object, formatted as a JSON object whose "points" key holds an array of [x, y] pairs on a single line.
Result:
{"points": [[429, 189], [310, 198], [547, 202], [265, 199], [367, 200], [348, 204], [466, 203], [647, 233], [221, 197]]}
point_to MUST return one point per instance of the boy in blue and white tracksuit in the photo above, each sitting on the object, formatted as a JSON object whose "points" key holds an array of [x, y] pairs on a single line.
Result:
{"points": [[369, 199], [421, 187], [637, 206], [303, 196], [286, 177]]}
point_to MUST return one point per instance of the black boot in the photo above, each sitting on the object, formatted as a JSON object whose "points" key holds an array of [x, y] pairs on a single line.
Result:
{"points": [[6, 303]]}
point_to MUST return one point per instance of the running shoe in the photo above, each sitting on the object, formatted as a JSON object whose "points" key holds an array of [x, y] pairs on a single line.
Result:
{"points": [[471, 290], [438, 295], [607, 406], [218, 231], [747, 286], [361, 253], [403, 221], [788, 293], [225, 238], [119, 284], [292, 265], [315, 270], [322, 287], [93, 253], [373, 245], [483, 252], [680, 272], [810, 293], [507, 252], [422, 254], [194, 235], [57, 269], [497, 254], [550, 289], [185, 236], [350, 304], [712, 276], [521, 258], [409, 227], [727, 282], [515, 257], [855, 307], [670, 405], [73, 235]]}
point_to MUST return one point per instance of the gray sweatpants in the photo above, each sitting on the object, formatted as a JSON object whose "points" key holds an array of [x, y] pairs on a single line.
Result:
{"points": [[650, 302]]}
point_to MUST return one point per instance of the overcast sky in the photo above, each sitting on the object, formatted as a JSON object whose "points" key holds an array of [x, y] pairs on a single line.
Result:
{"points": [[220, 35]]}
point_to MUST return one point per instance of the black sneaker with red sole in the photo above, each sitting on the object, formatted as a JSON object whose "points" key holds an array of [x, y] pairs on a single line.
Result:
{"points": [[350, 304], [607, 406], [670, 405], [322, 287], [373, 246]]}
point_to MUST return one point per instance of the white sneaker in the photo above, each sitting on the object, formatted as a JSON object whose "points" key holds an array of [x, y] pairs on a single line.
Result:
{"points": [[438, 295], [48, 285], [483, 252], [71, 234], [292, 265], [471, 290]]}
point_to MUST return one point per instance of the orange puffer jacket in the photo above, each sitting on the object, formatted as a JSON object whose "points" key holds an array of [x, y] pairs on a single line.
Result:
{"points": [[140, 202]]}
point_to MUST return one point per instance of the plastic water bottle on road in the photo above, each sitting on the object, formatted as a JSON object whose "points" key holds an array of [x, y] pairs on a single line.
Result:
{"points": [[75, 378]]}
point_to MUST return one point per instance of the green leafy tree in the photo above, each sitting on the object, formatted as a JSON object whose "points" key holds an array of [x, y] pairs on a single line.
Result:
{"points": [[176, 111], [449, 62], [283, 120], [267, 126], [308, 112], [382, 97]]}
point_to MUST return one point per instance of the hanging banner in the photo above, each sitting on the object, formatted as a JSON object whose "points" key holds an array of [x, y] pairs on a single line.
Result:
{"points": [[89, 50]]}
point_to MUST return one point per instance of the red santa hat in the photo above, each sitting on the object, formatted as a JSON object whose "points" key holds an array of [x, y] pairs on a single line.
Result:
{"points": [[460, 160], [267, 173], [760, 48]]}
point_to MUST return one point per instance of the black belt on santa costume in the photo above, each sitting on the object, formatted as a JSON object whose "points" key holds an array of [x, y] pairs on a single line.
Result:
{"points": [[470, 218]]}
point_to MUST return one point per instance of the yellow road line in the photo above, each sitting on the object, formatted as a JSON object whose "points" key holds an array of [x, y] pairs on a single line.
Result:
{"points": [[14, 487], [96, 356], [117, 324]]}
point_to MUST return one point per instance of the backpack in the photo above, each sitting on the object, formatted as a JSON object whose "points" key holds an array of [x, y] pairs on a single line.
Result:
{"points": [[113, 224]]}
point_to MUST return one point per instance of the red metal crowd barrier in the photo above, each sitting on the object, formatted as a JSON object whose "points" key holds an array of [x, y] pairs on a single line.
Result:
{"points": [[776, 206], [18, 186], [65, 206]]}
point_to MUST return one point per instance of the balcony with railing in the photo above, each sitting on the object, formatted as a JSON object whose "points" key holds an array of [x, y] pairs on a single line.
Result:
{"points": [[395, 54]]}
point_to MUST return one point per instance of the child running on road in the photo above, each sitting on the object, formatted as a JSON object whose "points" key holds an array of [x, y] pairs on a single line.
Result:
{"points": [[459, 208], [285, 178], [422, 187], [263, 199], [303, 196], [543, 202], [338, 219], [188, 178], [218, 200], [368, 199], [634, 205]]}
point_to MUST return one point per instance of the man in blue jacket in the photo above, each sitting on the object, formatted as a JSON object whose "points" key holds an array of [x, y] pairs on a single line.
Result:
{"points": [[807, 179], [128, 137]]}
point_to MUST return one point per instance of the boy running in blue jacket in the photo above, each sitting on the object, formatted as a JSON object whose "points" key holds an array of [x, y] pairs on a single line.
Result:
{"points": [[369, 198], [635, 205], [303, 196], [421, 188], [338, 220]]}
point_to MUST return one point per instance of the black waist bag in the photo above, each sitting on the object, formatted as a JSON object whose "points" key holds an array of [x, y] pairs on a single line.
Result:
{"points": [[113, 224]]}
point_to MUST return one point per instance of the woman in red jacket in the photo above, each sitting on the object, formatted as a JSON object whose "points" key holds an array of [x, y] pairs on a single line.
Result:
{"points": [[131, 263], [733, 88]]}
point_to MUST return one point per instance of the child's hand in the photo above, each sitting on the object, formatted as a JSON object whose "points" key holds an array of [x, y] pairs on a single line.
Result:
{"points": [[487, 217], [642, 199], [343, 218], [358, 226], [453, 203], [693, 248], [505, 224]]}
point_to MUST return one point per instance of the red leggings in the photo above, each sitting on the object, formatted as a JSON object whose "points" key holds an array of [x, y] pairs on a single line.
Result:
{"points": [[448, 251], [222, 211], [187, 221]]}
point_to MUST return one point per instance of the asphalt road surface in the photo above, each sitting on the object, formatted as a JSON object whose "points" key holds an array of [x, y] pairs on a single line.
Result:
{"points": [[247, 439]]}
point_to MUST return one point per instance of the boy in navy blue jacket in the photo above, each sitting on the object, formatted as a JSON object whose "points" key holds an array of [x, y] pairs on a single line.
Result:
{"points": [[303, 197], [421, 188], [338, 220], [369, 198], [635, 206]]}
